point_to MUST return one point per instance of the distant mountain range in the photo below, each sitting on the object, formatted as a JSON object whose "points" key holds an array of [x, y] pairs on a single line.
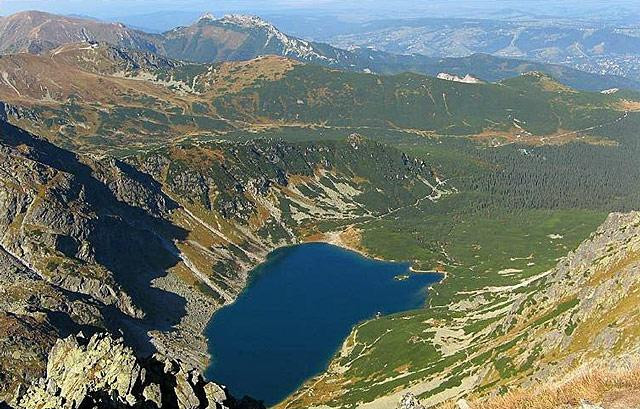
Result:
{"points": [[144, 99], [238, 37], [596, 47]]}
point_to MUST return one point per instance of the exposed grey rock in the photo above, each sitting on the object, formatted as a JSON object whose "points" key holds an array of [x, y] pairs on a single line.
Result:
{"points": [[184, 389], [216, 395], [103, 373], [409, 401], [582, 307], [153, 393], [81, 241], [77, 372]]}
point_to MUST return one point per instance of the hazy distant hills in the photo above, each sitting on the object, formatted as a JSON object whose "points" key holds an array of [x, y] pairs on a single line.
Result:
{"points": [[517, 38], [35, 32], [237, 37], [589, 46]]}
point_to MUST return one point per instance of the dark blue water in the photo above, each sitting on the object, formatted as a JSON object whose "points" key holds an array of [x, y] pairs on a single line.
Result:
{"points": [[299, 307]]}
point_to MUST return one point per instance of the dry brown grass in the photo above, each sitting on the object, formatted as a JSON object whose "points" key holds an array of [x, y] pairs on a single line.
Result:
{"points": [[626, 105], [619, 388], [560, 137], [231, 77]]}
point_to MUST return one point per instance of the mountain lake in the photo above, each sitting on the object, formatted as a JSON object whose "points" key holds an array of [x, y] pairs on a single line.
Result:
{"points": [[296, 311]]}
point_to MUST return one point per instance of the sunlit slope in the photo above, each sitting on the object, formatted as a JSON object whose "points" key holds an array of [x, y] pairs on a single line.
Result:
{"points": [[97, 95], [534, 103], [239, 37]]}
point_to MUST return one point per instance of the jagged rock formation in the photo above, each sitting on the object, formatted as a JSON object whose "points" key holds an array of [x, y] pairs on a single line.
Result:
{"points": [[79, 240], [103, 373], [467, 79], [409, 401], [149, 247]]}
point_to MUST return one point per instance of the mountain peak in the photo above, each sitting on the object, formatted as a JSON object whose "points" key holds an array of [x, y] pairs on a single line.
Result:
{"points": [[247, 21], [207, 17], [239, 20], [31, 13]]}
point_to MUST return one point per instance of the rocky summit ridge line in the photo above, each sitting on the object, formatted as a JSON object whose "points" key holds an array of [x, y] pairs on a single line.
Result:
{"points": [[102, 373]]}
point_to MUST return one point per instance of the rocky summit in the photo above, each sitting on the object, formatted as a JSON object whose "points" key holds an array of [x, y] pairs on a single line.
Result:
{"points": [[102, 373]]}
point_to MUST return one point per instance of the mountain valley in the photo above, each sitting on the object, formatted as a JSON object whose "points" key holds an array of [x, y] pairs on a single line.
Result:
{"points": [[66, 216], [143, 178]]}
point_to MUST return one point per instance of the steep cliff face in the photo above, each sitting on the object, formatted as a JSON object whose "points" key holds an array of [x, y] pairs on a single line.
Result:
{"points": [[77, 241], [55, 207], [103, 373]]}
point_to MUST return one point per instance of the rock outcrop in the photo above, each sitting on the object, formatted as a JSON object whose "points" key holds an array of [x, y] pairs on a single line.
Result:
{"points": [[409, 401], [103, 373], [81, 239]]}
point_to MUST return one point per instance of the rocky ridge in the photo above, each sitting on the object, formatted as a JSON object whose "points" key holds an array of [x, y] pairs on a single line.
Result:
{"points": [[65, 265], [101, 373], [36, 32]]}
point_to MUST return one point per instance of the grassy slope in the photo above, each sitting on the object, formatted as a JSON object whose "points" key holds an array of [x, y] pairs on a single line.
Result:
{"points": [[479, 247], [598, 384], [144, 101], [309, 94], [473, 234]]}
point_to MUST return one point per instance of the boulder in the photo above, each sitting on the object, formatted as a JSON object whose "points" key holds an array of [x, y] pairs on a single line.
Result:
{"points": [[103, 373]]}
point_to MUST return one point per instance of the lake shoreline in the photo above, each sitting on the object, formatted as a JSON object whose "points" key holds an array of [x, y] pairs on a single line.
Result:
{"points": [[345, 306], [337, 239]]}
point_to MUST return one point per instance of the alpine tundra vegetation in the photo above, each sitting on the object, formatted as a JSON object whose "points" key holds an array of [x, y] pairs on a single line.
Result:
{"points": [[163, 197]]}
